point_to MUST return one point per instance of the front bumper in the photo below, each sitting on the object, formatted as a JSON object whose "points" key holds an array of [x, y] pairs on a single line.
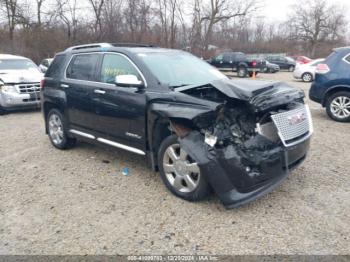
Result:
{"points": [[14, 101], [241, 176]]}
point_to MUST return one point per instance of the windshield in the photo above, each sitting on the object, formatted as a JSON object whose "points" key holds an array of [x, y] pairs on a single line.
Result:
{"points": [[17, 64], [180, 69]]}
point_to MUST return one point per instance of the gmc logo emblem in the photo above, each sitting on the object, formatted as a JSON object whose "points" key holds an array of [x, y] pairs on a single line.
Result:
{"points": [[296, 119]]}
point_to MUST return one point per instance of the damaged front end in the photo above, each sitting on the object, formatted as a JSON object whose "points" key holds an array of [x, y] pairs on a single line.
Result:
{"points": [[254, 140]]}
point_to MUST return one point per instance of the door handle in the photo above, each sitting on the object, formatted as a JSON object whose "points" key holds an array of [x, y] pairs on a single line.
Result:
{"points": [[64, 86], [99, 91]]}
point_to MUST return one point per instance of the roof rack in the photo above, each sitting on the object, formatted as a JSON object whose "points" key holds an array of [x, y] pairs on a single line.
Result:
{"points": [[101, 45], [78, 47], [132, 45]]}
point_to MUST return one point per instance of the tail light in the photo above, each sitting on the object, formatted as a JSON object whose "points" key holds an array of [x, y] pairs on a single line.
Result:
{"points": [[42, 83], [322, 69], [254, 63]]}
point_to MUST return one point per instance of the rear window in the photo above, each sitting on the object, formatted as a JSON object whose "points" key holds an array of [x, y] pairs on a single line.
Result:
{"points": [[83, 67], [55, 67]]}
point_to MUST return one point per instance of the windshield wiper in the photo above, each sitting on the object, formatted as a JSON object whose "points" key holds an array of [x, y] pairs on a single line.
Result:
{"points": [[182, 85]]}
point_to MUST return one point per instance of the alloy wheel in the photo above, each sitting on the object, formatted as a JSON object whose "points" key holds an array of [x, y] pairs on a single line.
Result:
{"points": [[307, 77], [181, 171], [340, 107], [56, 129]]}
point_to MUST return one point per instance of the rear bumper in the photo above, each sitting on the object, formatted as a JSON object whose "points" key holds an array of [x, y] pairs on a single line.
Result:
{"points": [[14, 101], [315, 94]]}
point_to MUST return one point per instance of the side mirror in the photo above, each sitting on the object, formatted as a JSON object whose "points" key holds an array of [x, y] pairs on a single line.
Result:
{"points": [[128, 81]]}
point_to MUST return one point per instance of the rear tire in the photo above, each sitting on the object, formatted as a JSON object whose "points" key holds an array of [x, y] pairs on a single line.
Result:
{"points": [[307, 77], [338, 106], [184, 183], [57, 130]]}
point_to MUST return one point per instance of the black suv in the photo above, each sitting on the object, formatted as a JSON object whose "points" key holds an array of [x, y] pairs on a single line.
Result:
{"points": [[202, 131], [285, 63], [237, 62]]}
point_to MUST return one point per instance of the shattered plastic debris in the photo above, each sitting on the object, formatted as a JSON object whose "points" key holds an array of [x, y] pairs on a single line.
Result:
{"points": [[210, 139], [125, 171]]}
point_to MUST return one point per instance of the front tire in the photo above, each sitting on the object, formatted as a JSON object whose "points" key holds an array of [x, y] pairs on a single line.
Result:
{"points": [[291, 68], [180, 173], [338, 106], [57, 126]]}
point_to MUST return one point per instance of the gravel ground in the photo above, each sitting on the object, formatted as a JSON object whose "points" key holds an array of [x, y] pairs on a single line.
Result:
{"points": [[78, 201]]}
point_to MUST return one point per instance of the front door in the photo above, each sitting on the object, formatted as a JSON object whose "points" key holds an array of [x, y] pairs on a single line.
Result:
{"points": [[121, 110]]}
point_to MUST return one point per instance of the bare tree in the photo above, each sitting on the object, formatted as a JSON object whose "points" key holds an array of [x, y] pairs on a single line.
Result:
{"points": [[11, 11], [223, 10], [66, 11], [316, 23], [97, 7]]}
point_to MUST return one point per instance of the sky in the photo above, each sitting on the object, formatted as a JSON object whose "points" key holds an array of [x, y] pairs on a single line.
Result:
{"points": [[277, 10]]}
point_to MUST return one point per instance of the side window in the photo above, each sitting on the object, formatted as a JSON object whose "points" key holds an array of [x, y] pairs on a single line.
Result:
{"points": [[219, 58], [83, 67], [227, 57], [55, 67], [114, 65]]}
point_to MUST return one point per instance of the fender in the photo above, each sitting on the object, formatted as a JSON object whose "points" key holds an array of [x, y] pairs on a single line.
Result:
{"points": [[333, 88]]}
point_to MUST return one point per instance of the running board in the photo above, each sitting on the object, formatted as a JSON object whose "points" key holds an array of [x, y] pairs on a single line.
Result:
{"points": [[115, 144], [79, 133]]}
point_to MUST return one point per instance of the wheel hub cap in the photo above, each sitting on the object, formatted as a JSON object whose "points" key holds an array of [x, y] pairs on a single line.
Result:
{"points": [[340, 107], [55, 129], [180, 170]]}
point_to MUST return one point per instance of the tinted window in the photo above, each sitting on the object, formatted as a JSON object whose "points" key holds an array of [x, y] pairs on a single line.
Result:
{"points": [[114, 65], [228, 57], [55, 67], [219, 58], [83, 67]]}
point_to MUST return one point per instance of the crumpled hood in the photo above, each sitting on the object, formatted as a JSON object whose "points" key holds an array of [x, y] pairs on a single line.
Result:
{"points": [[261, 95], [20, 76]]}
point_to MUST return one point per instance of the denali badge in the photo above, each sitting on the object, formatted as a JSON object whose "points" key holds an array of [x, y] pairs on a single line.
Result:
{"points": [[297, 119]]}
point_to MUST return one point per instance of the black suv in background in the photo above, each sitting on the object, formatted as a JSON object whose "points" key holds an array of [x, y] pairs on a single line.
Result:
{"points": [[201, 130], [285, 63], [237, 62]]}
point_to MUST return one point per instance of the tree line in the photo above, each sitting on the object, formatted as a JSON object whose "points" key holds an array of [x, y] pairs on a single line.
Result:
{"points": [[40, 28]]}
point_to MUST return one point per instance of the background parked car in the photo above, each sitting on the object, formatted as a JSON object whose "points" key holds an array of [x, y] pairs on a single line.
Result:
{"points": [[19, 83], [331, 87], [301, 59], [306, 72], [44, 65], [285, 63], [236, 62], [271, 68]]}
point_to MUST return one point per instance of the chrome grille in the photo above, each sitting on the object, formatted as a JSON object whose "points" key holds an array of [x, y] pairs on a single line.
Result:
{"points": [[294, 125], [28, 88]]}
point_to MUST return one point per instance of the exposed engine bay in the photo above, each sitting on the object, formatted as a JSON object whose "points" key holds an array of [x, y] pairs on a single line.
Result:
{"points": [[245, 136], [242, 146]]}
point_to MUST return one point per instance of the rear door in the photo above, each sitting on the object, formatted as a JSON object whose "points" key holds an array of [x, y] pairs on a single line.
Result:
{"points": [[79, 84]]}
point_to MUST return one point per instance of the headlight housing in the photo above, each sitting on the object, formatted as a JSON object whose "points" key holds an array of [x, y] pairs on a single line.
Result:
{"points": [[8, 88]]}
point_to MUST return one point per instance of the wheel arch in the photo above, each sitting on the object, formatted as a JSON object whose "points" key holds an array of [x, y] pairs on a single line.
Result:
{"points": [[47, 107], [334, 90]]}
